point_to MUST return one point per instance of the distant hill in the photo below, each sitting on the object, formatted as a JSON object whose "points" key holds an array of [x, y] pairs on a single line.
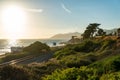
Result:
{"points": [[110, 31], [66, 35], [69, 35]]}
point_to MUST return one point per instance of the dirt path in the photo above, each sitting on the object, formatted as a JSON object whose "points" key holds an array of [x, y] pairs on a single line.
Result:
{"points": [[16, 61], [41, 58], [29, 59]]}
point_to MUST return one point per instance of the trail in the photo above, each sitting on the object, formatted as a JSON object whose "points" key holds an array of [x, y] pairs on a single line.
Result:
{"points": [[41, 58], [29, 59]]}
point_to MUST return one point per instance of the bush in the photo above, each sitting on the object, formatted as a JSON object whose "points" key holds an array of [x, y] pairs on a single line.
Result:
{"points": [[62, 53], [37, 47], [75, 61], [87, 46], [82, 73], [41, 69], [108, 44], [111, 76], [14, 73], [110, 64], [84, 47]]}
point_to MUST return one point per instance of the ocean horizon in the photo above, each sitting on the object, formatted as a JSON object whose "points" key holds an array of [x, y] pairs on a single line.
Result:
{"points": [[6, 44]]}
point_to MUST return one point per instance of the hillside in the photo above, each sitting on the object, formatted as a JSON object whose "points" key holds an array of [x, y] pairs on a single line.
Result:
{"points": [[66, 35], [95, 59], [110, 31]]}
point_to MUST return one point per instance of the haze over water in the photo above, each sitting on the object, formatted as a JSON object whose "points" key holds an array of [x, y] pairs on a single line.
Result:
{"points": [[6, 44]]}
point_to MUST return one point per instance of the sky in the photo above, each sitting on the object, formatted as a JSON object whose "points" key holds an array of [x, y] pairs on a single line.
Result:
{"points": [[45, 18]]}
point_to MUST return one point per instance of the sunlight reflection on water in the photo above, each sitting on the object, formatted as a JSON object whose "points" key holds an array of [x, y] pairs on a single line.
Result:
{"points": [[5, 48], [12, 42]]}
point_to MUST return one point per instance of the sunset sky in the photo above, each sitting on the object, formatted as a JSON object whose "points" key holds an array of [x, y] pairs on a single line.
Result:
{"points": [[44, 18]]}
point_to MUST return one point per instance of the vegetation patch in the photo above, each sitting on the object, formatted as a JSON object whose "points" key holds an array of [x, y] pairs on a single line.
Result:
{"points": [[35, 49]]}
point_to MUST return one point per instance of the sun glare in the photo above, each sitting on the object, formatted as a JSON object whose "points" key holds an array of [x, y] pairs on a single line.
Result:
{"points": [[14, 20]]}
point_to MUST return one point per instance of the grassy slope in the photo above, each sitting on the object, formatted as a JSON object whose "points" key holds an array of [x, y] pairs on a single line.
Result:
{"points": [[90, 60], [101, 58]]}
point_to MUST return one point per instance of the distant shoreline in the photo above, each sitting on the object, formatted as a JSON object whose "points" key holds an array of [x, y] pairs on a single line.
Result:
{"points": [[6, 44]]}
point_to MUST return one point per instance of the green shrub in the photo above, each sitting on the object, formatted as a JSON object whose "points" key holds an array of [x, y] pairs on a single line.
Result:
{"points": [[75, 61], [41, 69], [37, 47], [62, 53], [110, 64], [111, 76], [14, 73], [84, 47], [87, 46], [108, 44], [82, 73]]}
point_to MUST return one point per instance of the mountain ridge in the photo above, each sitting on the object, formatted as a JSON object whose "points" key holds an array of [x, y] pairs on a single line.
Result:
{"points": [[66, 35]]}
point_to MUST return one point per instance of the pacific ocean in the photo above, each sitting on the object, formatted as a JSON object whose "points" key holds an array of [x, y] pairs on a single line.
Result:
{"points": [[6, 44]]}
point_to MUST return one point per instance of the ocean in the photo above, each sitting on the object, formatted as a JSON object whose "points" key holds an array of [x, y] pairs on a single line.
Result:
{"points": [[5, 44]]}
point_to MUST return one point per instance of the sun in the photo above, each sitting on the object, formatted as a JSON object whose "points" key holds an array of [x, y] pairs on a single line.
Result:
{"points": [[14, 20]]}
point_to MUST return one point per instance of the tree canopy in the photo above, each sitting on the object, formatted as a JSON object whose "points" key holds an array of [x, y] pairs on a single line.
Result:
{"points": [[93, 30]]}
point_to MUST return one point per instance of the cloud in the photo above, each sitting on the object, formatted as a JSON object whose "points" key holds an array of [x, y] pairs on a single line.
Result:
{"points": [[35, 10], [65, 8]]}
